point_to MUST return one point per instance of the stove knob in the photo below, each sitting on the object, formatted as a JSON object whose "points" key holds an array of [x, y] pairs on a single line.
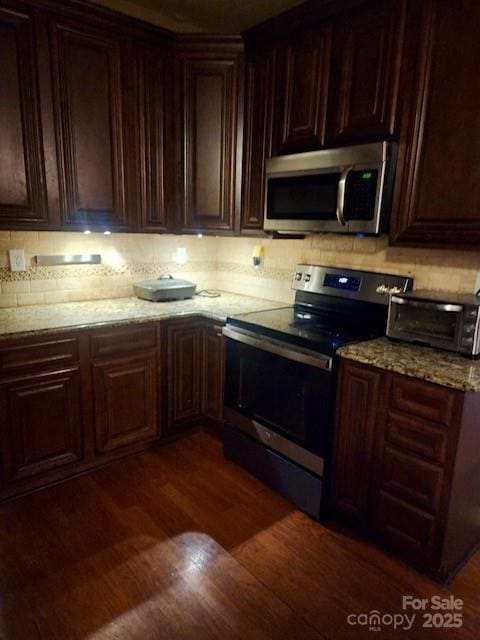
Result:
{"points": [[394, 290], [382, 289]]}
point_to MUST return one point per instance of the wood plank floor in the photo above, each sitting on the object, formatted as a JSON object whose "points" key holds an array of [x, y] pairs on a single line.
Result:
{"points": [[177, 543]]}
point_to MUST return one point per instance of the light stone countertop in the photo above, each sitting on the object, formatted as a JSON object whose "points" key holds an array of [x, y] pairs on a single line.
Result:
{"points": [[441, 367], [22, 321]]}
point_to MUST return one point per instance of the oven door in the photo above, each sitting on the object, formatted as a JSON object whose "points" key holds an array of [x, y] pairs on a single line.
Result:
{"points": [[287, 390]]}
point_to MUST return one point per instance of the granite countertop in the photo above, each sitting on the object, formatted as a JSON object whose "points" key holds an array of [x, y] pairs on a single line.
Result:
{"points": [[441, 367], [21, 321]]}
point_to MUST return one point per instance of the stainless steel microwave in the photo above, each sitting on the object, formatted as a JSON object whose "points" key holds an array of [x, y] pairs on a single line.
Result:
{"points": [[341, 190], [445, 321]]}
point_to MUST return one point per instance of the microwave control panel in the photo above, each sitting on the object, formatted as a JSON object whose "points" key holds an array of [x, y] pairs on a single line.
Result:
{"points": [[360, 194]]}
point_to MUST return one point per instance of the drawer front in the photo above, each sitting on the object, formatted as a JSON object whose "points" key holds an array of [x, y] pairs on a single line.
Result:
{"points": [[123, 341], [423, 399], [408, 530], [56, 352], [417, 436], [416, 481]]}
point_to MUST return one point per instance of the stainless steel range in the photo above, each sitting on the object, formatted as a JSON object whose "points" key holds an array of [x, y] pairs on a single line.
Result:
{"points": [[281, 376]]}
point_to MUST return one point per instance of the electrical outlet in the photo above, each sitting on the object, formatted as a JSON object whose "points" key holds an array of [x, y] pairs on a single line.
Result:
{"points": [[17, 260], [180, 255]]}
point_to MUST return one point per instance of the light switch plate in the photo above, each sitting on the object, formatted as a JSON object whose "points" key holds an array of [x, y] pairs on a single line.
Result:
{"points": [[17, 260]]}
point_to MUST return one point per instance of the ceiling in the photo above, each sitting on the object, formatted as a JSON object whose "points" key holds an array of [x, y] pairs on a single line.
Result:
{"points": [[207, 16]]}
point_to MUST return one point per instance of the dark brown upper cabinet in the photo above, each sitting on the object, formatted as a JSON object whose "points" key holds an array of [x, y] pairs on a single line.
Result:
{"points": [[365, 73], [23, 192], [91, 106], [257, 144], [209, 78], [302, 91], [437, 191], [155, 129]]}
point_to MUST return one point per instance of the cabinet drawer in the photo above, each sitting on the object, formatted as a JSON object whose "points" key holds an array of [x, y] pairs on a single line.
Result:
{"points": [[55, 352], [423, 399], [405, 528], [122, 341], [416, 481], [413, 434]]}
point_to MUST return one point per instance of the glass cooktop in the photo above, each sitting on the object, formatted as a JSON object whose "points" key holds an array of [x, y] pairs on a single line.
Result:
{"points": [[322, 330]]}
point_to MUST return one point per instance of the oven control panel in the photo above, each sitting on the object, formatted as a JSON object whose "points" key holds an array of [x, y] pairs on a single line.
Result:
{"points": [[337, 281], [349, 283]]}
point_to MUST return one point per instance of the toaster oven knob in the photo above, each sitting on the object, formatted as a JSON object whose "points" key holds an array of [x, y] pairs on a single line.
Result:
{"points": [[467, 340], [298, 275], [469, 328]]}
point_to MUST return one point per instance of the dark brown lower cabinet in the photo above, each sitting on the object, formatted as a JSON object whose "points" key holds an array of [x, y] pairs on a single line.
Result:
{"points": [[406, 454], [125, 402], [213, 372], [195, 367], [42, 428], [126, 382], [356, 406], [184, 372], [74, 401]]}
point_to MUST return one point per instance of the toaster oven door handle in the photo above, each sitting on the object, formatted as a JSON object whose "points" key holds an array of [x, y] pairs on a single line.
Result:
{"points": [[440, 306], [341, 196], [304, 356]]}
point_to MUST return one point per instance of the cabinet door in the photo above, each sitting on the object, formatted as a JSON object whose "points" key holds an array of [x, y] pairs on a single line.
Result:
{"points": [[211, 84], [259, 92], [367, 52], [23, 196], [437, 186], [125, 402], [90, 95], [184, 372], [303, 77], [40, 424], [213, 372], [357, 407], [155, 137]]}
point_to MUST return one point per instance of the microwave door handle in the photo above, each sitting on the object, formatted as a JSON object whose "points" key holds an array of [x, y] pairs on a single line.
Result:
{"points": [[428, 305], [341, 196]]}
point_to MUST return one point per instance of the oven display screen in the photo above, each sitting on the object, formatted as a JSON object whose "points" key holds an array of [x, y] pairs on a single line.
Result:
{"points": [[341, 282]]}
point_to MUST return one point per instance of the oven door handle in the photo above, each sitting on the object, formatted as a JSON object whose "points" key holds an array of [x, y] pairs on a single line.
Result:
{"points": [[429, 305], [298, 354]]}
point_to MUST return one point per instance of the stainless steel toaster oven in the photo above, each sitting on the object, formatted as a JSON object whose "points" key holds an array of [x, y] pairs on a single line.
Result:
{"points": [[443, 320]]}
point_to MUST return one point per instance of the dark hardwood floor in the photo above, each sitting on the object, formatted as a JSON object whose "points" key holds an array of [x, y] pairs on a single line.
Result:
{"points": [[177, 543]]}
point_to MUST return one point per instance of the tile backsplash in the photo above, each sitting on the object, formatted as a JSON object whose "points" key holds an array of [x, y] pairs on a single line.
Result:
{"points": [[223, 263], [431, 269], [126, 258]]}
